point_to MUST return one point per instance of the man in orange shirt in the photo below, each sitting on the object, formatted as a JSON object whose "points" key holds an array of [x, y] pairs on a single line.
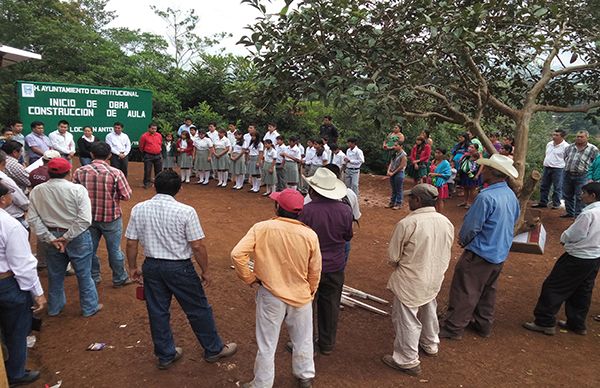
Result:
{"points": [[151, 147], [287, 269]]}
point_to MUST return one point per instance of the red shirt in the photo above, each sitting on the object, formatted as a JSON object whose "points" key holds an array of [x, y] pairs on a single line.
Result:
{"points": [[39, 175], [106, 186], [151, 143], [423, 156]]}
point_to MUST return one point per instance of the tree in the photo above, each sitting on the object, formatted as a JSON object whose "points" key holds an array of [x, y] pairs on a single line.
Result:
{"points": [[463, 62]]}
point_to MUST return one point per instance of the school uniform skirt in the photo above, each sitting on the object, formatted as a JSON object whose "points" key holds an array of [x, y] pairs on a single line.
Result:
{"points": [[291, 172], [221, 163], [269, 178], [185, 160], [169, 161], [252, 169], [202, 163], [238, 167], [310, 169]]}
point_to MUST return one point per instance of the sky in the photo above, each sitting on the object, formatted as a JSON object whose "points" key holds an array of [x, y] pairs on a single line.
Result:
{"points": [[214, 16]]}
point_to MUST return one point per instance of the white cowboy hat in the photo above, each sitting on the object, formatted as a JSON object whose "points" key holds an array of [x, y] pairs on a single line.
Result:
{"points": [[501, 163], [326, 183]]}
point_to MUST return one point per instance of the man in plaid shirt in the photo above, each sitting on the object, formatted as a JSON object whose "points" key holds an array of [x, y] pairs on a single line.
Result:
{"points": [[107, 186], [579, 156]]}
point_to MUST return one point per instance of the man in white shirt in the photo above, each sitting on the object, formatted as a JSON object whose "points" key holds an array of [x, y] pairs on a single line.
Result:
{"points": [[554, 166], [280, 147], [120, 146], [62, 141], [187, 123], [19, 284], [354, 159], [271, 133], [571, 281], [419, 251], [168, 270]]}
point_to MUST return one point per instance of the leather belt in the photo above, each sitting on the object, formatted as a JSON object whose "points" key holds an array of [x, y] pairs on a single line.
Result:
{"points": [[61, 230], [6, 275]]}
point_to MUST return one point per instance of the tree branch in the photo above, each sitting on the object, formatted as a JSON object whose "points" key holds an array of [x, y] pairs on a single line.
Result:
{"points": [[567, 109], [425, 115], [455, 112], [573, 69]]}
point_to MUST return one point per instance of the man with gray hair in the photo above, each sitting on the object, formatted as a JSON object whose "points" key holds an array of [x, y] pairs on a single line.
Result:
{"points": [[419, 251], [578, 158]]}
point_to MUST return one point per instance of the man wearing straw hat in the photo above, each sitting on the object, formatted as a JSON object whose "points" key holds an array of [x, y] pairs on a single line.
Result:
{"points": [[287, 267], [419, 251], [486, 234], [332, 220]]}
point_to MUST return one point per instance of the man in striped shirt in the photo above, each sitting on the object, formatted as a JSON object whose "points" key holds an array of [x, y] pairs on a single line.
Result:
{"points": [[578, 158], [107, 186]]}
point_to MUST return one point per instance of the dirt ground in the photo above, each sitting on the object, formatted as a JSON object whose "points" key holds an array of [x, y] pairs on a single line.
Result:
{"points": [[511, 357]]}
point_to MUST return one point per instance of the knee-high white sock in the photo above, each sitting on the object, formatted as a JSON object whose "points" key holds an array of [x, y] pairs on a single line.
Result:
{"points": [[295, 187], [220, 178], [188, 174], [225, 176], [206, 176], [257, 182], [239, 181], [272, 188], [182, 172]]}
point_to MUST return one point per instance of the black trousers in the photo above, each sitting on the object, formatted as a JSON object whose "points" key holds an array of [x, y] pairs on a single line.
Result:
{"points": [[149, 162], [119, 163], [571, 282], [327, 299]]}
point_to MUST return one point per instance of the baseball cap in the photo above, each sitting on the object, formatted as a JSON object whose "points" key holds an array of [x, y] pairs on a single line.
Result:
{"points": [[51, 154], [289, 199], [59, 166], [423, 191]]}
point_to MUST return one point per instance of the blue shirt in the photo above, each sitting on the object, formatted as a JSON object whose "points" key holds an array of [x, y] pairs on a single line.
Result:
{"points": [[488, 227]]}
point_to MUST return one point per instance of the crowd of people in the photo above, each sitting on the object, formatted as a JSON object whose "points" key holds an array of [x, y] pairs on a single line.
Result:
{"points": [[298, 259]]}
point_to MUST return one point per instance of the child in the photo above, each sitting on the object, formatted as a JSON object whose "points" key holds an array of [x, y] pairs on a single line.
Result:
{"points": [[203, 150], [419, 159], [255, 152], [168, 151], [238, 165], [468, 174], [439, 173], [308, 157], [395, 173], [338, 156], [269, 173], [452, 180], [185, 150], [220, 159], [353, 160], [292, 156], [280, 147]]}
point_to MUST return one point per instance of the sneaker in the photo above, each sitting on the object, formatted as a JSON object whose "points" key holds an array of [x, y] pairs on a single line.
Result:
{"points": [[266, 194], [100, 307], [389, 361], [305, 383], [563, 325], [167, 364], [228, 350], [555, 206], [444, 333], [29, 377], [540, 329], [127, 282], [540, 205], [389, 205]]}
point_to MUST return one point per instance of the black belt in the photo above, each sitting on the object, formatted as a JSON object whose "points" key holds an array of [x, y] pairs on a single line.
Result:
{"points": [[61, 230], [352, 168], [156, 258], [148, 153], [6, 275]]}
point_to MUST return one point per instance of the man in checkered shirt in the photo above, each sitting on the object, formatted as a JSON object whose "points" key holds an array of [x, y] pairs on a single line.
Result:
{"points": [[170, 233], [579, 156], [107, 186]]}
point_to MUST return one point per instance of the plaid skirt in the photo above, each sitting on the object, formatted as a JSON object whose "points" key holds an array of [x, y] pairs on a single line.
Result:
{"points": [[269, 178], [252, 169], [202, 163], [291, 172], [169, 161], [221, 163], [185, 160], [237, 167]]}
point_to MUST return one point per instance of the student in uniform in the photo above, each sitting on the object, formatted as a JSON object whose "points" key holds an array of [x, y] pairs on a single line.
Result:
{"points": [[185, 151], [307, 161], [292, 156], [269, 173], [280, 147], [220, 159], [255, 154], [193, 138], [238, 164], [337, 156], [203, 150], [354, 159], [168, 151]]}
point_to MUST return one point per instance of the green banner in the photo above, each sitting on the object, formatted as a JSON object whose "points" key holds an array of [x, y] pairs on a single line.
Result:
{"points": [[84, 105]]}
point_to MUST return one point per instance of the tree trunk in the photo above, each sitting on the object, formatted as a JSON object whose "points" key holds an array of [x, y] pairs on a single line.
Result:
{"points": [[526, 192], [475, 127]]}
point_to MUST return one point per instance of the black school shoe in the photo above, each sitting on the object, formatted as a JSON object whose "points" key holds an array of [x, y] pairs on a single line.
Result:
{"points": [[29, 377]]}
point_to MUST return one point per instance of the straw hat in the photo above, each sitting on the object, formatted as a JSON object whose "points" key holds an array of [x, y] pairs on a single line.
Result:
{"points": [[326, 183], [501, 163]]}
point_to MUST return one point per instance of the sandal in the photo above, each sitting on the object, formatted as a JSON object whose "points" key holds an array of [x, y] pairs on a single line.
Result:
{"points": [[462, 204]]}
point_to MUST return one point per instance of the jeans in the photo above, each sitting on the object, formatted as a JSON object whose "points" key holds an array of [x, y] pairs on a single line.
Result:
{"points": [[112, 232], [119, 163], [347, 251], [551, 177], [15, 320], [162, 280], [85, 161], [80, 252], [149, 162], [397, 183], [351, 179], [572, 193]]}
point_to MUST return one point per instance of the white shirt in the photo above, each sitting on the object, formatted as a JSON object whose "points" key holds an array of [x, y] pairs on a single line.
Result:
{"points": [[255, 150], [182, 128], [247, 140], [214, 135], [356, 156], [326, 154], [162, 216], [20, 203], [271, 136], [301, 148], [310, 154], [338, 159], [582, 238], [62, 143], [294, 152], [222, 143], [16, 256], [203, 144], [237, 149], [555, 154], [118, 143], [270, 155], [280, 149], [231, 137]]}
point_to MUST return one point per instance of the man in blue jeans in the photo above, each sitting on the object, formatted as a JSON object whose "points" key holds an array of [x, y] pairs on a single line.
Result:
{"points": [[168, 270], [578, 158], [554, 166], [19, 284], [107, 186], [60, 213]]}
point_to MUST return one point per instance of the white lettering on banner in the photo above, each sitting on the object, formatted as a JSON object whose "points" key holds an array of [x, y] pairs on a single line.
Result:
{"points": [[54, 111], [102, 129], [93, 91], [118, 104], [137, 114], [62, 102]]}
